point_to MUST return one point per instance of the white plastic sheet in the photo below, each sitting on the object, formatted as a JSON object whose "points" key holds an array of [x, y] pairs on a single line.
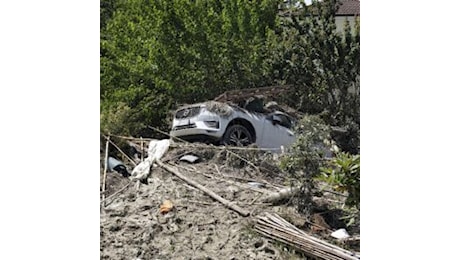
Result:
{"points": [[189, 158], [157, 148], [340, 234]]}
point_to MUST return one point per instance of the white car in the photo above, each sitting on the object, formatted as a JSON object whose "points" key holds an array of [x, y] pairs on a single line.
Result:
{"points": [[221, 123]]}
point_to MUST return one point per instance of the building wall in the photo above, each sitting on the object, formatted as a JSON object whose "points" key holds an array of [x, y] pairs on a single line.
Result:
{"points": [[340, 22]]}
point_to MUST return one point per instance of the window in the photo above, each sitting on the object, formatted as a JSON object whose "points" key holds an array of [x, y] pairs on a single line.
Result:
{"points": [[282, 120]]}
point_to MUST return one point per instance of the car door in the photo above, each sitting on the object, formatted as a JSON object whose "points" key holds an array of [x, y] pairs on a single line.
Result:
{"points": [[277, 131], [285, 129]]}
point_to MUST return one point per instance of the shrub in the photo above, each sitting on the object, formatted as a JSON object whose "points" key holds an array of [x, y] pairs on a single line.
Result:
{"points": [[132, 115], [306, 156], [342, 174], [115, 119]]}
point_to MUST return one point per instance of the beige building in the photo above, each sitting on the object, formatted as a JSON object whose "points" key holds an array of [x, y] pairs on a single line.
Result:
{"points": [[348, 11]]}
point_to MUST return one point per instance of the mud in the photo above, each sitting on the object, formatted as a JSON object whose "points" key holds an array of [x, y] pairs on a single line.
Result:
{"points": [[198, 227]]}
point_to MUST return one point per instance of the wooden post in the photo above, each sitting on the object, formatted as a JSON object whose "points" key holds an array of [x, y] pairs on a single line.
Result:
{"points": [[106, 161], [142, 150], [121, 151]]}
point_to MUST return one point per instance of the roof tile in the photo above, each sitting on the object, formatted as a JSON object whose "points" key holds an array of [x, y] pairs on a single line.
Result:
{"points": [[348, 7]]}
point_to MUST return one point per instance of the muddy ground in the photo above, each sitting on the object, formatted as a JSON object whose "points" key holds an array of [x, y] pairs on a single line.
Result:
{"points": [[198, 227]]}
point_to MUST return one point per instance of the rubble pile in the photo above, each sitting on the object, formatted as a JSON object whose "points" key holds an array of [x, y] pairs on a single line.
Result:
{"points": [[168, 218]]}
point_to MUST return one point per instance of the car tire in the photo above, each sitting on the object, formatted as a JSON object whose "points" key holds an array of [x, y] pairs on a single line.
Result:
{"points": [[237, 135]]}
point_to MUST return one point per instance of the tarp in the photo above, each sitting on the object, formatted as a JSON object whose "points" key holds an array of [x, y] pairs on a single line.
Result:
{"points": [[157, 148]]}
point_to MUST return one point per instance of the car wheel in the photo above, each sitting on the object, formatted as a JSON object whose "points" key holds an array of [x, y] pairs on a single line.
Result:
{"points": [[237, 135]]}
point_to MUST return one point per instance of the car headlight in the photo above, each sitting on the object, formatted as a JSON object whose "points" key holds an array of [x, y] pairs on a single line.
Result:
{"points": [[212, 124]]}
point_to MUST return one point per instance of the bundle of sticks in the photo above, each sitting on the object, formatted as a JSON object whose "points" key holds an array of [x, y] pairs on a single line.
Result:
{"points": [[275, 227]]}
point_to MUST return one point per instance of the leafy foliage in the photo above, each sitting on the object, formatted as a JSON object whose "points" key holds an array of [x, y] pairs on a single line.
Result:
{"points": [[158, 54], [311, 146], [321, 63], [306, 156], [314, 156], [189, 51], [107, 8], [343, 174], [132, 110]]}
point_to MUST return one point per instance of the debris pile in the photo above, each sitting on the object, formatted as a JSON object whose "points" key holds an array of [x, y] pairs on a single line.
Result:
{"points": [[273, 226], [198, 201]]}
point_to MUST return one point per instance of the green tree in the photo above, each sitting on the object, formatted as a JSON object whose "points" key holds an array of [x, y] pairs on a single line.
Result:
{"points": [[107, 8], [321, 63], [306, 157], [190, 51], [181, 51]]}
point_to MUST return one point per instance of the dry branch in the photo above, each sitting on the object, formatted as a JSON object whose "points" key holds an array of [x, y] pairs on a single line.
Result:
{"points": [[253, 180], [106, 160], [222, 148], [280, 195], [131, 138], [244, 186], [213, 195], [217, 177], [243, 94], [237, 148], [142, 149], [115, 193], [334, 192], [275, 227], [118, 148], [185, 143]]}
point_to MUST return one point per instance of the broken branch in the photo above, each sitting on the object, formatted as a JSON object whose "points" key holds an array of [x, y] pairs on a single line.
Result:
{"points": [[105, 167], [275, 227], [202, 145], [212, 194], [226, 148], [131, 138], [118, 148], [115, 193], [253, 180], [282, 194]]}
